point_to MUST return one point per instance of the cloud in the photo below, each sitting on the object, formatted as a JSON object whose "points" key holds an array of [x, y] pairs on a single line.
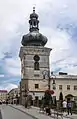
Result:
{"points": [[58, 21], [8, 86], [61, 29], [1, 75], [11, 86], [13, 66]]}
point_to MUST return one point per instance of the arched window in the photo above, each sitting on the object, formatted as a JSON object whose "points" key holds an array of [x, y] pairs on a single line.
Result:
{"points": [[36, 66], [34, 23], [36, 63]]}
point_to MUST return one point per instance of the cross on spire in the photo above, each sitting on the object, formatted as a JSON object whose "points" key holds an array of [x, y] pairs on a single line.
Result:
{"points": [[33, 9]]}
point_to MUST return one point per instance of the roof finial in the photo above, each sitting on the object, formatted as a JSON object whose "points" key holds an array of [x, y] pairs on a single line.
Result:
{"points": [[33, 9]]}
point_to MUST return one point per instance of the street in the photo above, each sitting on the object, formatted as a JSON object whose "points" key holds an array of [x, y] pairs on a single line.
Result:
{"points": [[0, 115], [11, 113], [19, 112]]}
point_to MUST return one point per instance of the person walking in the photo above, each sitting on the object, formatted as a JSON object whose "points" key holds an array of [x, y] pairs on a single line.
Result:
{"points": [[64, 106], [69, 107]]}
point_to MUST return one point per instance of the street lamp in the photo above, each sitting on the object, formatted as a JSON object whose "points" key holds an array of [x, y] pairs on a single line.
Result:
{"points": [[47, 95], [47, 73], [53, 77], [53, 83]]}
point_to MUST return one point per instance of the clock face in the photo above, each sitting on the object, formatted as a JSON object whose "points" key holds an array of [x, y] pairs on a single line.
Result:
{"points": [[36, 58], [44, 72]]}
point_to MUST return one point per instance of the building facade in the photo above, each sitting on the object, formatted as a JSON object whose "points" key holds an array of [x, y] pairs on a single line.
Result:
{"points": [[13, 95], [3, 95], [67, 84], [34, 60]]}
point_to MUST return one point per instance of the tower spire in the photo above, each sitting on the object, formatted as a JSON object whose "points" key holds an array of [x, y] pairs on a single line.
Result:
{"points": [[33, 21], [34, 38]]}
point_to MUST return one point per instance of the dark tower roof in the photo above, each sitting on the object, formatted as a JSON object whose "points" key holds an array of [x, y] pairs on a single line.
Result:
{"points": [[34, 38]]}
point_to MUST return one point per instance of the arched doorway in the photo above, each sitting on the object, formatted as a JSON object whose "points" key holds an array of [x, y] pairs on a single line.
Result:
{"points": [[69, 97]]}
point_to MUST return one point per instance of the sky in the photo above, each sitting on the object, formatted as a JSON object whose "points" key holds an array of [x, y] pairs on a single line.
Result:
{"points": [[58, 21]]}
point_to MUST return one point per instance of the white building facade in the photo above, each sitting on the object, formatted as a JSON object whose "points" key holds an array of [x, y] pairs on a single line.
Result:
{"points": [[67, 84]]}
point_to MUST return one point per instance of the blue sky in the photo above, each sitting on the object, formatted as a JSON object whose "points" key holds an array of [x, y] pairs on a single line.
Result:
{"points": [[58, 21]]}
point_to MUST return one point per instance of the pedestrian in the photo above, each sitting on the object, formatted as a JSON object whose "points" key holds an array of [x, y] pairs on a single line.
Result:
{"points": [[69, 107], [48, 111], [7, 102], [64, 106]]}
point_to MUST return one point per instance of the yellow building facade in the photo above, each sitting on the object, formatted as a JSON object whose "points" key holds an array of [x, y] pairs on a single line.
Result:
{"points": [[3, 95]]}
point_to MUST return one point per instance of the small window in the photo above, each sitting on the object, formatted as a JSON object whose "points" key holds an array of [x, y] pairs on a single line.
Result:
{"points": [[34, 23], [53, 81], [36, 75], [30, 23], [36, 66], [68, 87], [60, 87], [36, 85], [75, 87]]}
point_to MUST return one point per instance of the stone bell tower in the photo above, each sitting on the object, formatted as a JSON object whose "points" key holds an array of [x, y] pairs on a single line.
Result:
{"points": [[34, 60]]}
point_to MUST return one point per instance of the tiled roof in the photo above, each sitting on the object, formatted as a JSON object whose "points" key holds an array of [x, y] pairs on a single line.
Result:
{"points": [[3, 91], [64, 76]]}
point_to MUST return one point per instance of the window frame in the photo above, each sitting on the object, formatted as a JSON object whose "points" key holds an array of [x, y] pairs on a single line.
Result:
{"points": [[68, 87], [36, 66], [60, 87], [36, 86], [75, 87]]}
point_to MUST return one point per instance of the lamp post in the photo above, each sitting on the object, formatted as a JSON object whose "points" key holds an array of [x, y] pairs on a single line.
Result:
{"points": [[47, 73], [53, 83], [47, 95], [53, 77]]}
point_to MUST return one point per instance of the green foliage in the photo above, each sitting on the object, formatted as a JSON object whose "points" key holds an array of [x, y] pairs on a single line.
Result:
{"points": [[47, 98], [61, 99], [61, 96]]}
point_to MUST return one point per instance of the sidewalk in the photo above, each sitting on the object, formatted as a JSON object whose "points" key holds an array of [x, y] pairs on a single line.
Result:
{"points": [[34, 112]]}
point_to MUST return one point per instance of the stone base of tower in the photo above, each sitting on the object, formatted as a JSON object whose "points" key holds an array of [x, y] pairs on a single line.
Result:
{"points": [[32, 82], [23, 91], [35, 88]]}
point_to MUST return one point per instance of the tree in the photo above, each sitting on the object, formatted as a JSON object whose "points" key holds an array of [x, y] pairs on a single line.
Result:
{"points": [[55, 102], [61, 98], [47, 98]]}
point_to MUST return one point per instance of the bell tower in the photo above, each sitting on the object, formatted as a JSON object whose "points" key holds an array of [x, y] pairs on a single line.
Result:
{"points": [[34, 60]]}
